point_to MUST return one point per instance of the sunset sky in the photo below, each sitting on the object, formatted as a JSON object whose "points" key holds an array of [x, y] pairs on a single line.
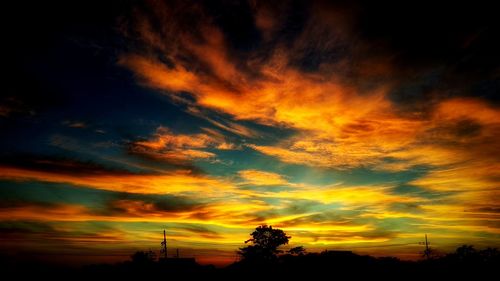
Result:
{"points": [[359, 126]]}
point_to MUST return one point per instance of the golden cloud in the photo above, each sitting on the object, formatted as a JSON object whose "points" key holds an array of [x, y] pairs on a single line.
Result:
{"points": [[168, 183], [256, 177]]}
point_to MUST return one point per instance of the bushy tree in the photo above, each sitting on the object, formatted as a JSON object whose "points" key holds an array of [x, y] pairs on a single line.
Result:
{"points": [[490, 254], [466, 252], [264, 244], [299, 251], [143, 257]]}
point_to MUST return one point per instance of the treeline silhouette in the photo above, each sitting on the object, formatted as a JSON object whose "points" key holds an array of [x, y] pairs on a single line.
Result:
{"points": [[262, 259]]}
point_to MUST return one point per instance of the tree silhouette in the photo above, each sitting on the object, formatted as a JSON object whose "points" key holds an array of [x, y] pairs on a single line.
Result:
{"points": [[490, 254], [299, 251], [466, 252], [265, 242], [143, 257]]}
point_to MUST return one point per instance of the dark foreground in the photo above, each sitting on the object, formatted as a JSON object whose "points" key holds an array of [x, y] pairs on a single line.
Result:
{"points": [[328, 265]]}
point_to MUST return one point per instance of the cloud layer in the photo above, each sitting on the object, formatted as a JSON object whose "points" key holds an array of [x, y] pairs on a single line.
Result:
{"points": [[347, 126]]}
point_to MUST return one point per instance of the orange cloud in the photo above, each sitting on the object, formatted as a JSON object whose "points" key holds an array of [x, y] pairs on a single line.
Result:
{"points": [[338, 125], [169, 146], [165, 139], [168, 183]]}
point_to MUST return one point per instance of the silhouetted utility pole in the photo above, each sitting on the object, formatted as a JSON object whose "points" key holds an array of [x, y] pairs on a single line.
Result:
{"points": [[427, 251], [164, 245]]}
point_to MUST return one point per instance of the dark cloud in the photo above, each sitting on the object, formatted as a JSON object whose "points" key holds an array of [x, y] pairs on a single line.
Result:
{"points": [[8, 202], [121, 204], [96, 202], [422, 32], [24, 234], [199, 229], [236, 20], [58, 164], [466, 128], [27, 98], [487, 210], [410, 208], [16, 228], [156, 159], [438, 50]]}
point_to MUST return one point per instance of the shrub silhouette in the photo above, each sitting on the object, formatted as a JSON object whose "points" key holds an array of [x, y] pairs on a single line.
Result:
{"points": [[465, 252], [265, 242], [299, 251], [143, 257]]}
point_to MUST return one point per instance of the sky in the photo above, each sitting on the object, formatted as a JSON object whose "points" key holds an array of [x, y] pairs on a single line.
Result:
{"points": [[350, 125]]}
